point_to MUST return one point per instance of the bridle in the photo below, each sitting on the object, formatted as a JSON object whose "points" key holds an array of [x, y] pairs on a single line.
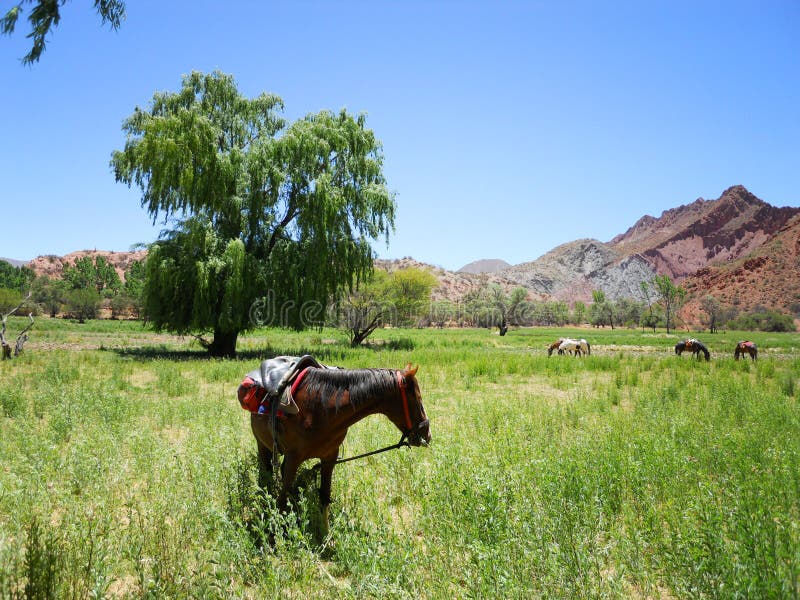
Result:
{"points": [[412, 433]]}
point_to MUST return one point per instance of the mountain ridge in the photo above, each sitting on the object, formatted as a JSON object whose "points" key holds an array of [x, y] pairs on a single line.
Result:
{"points": [[485, 265], [14, 262]]}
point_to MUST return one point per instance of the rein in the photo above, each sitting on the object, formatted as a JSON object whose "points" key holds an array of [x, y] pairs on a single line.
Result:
{"points": [[403, 442]]}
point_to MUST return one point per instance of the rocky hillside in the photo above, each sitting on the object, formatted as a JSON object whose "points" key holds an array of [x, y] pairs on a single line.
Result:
{"points": [[453, 286], [704, 233], [699, 238], [53, 266], [571, 271], [769, 276]]}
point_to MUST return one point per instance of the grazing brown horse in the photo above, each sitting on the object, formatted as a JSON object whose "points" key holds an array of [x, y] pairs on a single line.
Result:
{"points": [[746, 347], [329, 402], [694, 346]]}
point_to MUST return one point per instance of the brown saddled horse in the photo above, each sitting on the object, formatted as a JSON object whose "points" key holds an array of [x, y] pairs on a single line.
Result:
{"points": [[329, 402], [694, 346], [746, 347]]}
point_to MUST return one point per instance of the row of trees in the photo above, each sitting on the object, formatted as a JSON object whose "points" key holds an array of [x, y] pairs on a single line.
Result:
{"points": [[491, 306], [80, 292], [400, 299], [662, 300]]}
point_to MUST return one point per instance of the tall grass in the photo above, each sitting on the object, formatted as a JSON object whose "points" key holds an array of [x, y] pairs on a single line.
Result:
{"points": [[130, 471]]}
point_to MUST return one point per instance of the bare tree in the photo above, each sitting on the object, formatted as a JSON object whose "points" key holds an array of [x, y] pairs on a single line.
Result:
{"points": [[713, 310], [21, 338]]}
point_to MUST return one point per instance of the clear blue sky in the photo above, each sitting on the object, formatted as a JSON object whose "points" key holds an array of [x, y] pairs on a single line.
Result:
{"points": [[508, 127]]}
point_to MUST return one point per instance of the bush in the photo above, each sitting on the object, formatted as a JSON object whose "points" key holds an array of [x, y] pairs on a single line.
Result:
{"points": [[82, 304], [9, 299], [763, 320]]}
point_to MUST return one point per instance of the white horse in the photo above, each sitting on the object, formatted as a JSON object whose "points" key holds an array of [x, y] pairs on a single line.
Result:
{"points": [[575, 347]]}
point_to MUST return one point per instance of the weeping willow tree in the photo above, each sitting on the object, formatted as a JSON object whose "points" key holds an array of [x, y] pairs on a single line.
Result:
{"points": [[259, 210]]}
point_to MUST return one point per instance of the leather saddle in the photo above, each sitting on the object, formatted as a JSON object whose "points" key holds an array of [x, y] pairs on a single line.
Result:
{"points": [[275, 374]]}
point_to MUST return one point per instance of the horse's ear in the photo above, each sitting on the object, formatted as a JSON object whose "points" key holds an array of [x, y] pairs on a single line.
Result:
{"points": [[409, 371]]}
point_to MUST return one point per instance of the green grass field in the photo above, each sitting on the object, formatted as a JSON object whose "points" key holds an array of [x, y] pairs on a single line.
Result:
{"points": [[127, 469]]}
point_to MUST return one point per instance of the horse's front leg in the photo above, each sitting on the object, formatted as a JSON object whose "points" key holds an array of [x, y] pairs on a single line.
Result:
{"points": [[288, 472], [264, 463], [326, 480]]}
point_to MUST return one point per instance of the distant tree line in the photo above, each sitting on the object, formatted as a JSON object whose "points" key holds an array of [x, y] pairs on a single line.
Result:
{"points": [[490, 306], [84, 288], [401, 298]]}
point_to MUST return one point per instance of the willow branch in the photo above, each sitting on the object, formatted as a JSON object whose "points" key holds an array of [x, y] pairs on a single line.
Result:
{"points": [[291, 210]]}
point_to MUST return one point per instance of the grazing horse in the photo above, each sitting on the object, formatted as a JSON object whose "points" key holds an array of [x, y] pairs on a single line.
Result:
{"points": [[694, 346], [576, 347], [554, 346], [329, 401], [746, 347]]}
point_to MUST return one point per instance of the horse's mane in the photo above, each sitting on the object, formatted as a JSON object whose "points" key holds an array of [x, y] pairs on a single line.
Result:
{"points": [[363, 384]]}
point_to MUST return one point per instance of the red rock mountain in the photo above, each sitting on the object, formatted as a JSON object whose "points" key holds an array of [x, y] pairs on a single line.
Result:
{"points": [[704, 233], [768, 277], [738, 248]]}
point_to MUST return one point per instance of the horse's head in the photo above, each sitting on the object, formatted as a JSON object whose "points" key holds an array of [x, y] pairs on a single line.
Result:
{"points": [[554, 346], [415, 425]]}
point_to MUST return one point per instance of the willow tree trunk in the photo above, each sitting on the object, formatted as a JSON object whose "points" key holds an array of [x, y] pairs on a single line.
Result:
{"points": [[224, 344]]}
